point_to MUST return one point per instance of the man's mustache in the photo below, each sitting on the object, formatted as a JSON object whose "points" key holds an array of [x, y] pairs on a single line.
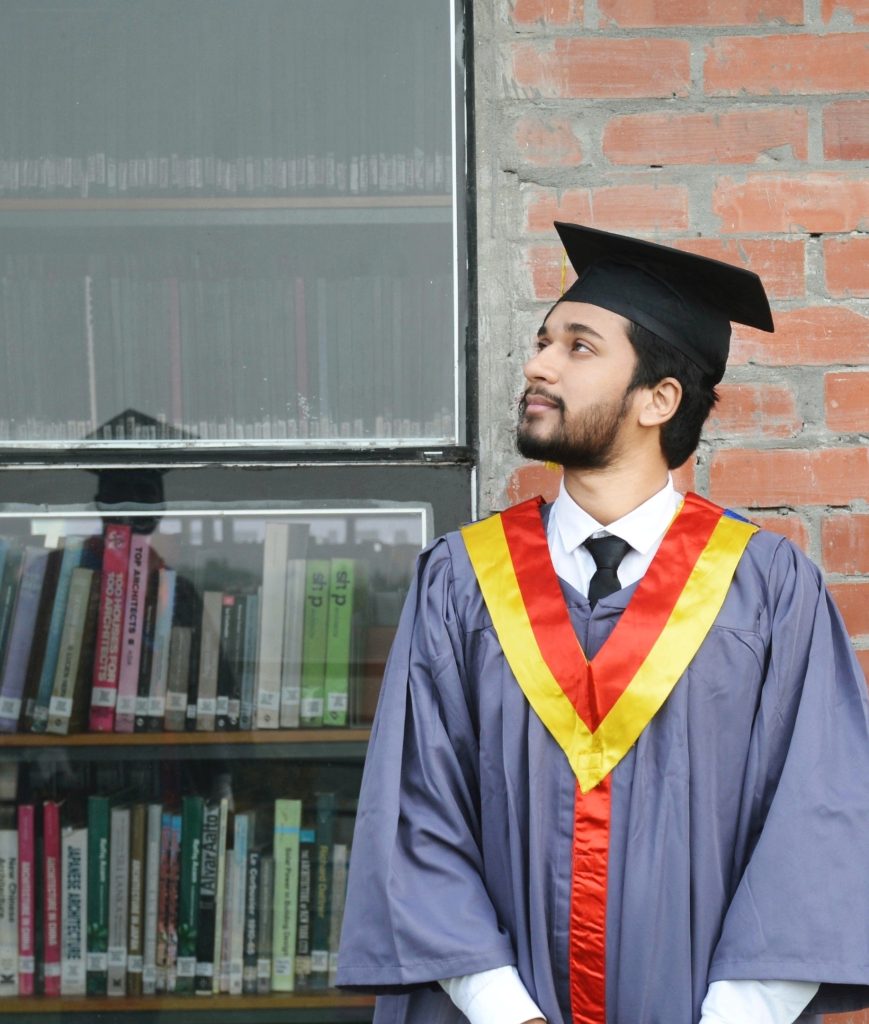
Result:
{"points": [[540, 393]]}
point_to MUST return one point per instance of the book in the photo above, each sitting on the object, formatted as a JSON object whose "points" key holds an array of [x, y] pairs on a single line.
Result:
{"points": [[136, 890], [26, 899], [271, 614], [8, 593], [192, 814], [340, 866], [75, 653], [228, 672], [291, 666], [152, 897], [119, 899], [131, 641], [338, 641], [180, 647], [9, 907], [74, 879], [314, 642], [241, 834], [251, 915], [159, 679], [149, 626], [207, 909], [98, 823], [285, 850], [222, 828], [51, 897], [167, 936], [209, 660], [265, 924], [21, 635], [110, 621], [36, 657], [322, 889], [307, 853], [249, 661]]}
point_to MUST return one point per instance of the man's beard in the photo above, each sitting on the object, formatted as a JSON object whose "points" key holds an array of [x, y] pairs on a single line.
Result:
{"points": [[588, 441]]}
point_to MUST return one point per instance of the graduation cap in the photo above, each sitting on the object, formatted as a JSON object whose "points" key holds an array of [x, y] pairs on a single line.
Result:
{"points": [[689, 301]]}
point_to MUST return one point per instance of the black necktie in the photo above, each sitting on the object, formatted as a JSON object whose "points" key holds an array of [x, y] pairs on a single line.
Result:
{"points": [[607, 553]]}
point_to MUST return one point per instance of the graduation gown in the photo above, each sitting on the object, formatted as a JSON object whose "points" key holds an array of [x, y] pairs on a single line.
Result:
{"points": [[739, 820]]}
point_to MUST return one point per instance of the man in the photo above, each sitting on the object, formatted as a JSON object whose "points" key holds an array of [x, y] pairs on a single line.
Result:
{"points": [[619, 772]]}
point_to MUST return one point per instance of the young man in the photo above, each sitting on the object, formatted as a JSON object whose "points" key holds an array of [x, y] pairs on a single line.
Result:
{"points": [[620, 767]]}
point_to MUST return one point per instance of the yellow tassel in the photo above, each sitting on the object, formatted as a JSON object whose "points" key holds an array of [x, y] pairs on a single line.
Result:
{"points": [[563, 269], [552, 465]]}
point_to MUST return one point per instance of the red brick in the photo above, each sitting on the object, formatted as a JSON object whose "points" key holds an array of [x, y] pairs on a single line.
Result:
{"points": [[731, 137], [846, 130], [853, 602], [846, 262], [845, 543], [684, 476], [855, 12], [779, 262], [787, 524], [548, 142], [756, 410], [532, 479], [652, 13], [547, 264], [583, 67], [820, 202], [769, 479], [546, 12], [817, 336], [621, 208], [787, 65], [846, 399]]}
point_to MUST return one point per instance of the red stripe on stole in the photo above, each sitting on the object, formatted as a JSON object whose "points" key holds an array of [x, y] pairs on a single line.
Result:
{"points": [[594, 688], [588, 900]]}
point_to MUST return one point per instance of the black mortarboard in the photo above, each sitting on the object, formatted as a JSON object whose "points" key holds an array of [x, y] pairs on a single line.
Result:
{"points": [[687, 300]]}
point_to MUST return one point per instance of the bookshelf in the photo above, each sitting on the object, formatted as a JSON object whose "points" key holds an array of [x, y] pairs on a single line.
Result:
{"points": [[233, 378]]}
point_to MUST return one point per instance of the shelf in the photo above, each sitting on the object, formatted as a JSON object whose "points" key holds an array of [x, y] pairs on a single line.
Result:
{"points": [[246, 211]]}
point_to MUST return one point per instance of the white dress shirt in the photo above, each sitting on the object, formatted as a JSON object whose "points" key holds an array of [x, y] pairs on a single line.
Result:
{"points": [[499, 996]]}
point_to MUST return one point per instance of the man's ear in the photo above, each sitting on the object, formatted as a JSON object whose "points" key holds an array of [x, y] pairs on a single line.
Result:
{"points": [[660, 402]]}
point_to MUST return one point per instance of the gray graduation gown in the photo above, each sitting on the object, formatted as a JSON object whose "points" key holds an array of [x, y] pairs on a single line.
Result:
{"points": [[739, 835]]}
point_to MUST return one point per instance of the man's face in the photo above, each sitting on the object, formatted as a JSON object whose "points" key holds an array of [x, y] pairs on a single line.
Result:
{"points": [[576, 401]]}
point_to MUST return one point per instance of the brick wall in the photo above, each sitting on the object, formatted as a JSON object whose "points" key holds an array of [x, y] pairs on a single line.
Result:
{"points": [[735, 128]]}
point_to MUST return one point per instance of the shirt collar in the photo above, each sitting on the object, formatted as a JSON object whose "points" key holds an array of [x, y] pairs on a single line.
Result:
{"points": [[642, 527]]}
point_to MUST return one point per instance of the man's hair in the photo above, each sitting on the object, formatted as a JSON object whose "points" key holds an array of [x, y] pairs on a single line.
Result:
{"points": [[656, 359]]}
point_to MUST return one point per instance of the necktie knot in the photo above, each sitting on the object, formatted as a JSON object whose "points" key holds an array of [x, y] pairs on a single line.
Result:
{"points": [[607, 553]]}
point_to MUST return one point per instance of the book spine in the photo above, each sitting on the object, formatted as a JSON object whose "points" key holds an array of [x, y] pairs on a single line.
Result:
{"points": [[21, 635], [314, 642], [60, 706], [149, 626], [265, 925], [161, 955], [9, 912], [222, 826], [160, 656], [229, 614], [207, 912], [340, 865], [152, 897], [241, 833], [339, 632], [271, 605], [307, 853], [51, 906], [74, 880], [209, 660], [135, 914], [113, 584], [249, 662], [192, 810], [180, 642], [174, 901], [26, 899], [133, 624], [322, 890], [98, 814], [291, 669], [251, 902], [286, 854], [119, 899]]}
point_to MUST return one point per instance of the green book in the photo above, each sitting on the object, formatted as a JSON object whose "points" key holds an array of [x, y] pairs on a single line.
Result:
{"points": [[316, 626], [338, 638], [192, 814], [98, 896], [288, 820]]}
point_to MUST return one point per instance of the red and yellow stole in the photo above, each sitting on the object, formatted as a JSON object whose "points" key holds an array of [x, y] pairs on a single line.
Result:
{"points": [[596, 710]]}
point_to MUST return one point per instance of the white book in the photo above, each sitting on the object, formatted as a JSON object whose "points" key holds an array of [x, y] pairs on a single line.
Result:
{"points": [[119, 899], [241, 840], [271, 630], [291, 664], [226, 942], [153, 833], [73, 887], [8, 912]]}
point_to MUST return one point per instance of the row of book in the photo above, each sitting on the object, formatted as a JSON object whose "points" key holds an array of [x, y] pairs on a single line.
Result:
{"points": [[144, 898], [215, 350], [101, 633]]}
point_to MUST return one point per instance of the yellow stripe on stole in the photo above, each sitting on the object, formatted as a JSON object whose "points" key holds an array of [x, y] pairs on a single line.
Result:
{"points": [[592, 755]]}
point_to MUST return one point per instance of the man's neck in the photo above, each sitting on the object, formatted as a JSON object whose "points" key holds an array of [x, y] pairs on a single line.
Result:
{"points": [[608, 494]]}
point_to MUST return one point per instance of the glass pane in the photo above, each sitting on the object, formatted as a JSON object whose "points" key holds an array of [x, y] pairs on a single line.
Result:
{"points": [[229, 222]]}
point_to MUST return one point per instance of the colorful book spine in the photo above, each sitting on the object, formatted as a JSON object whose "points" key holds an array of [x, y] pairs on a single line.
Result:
{"points": [[74, 879], [192, 813], [167, 925], [291, 668], [119, 899], [322, 890], [131, 643], [226, 670], [206, 916], [21, 635], [268, 680], [70, 651], [338, 641], [251, 911], [241, 834], [265, 924], [136, 889], [288, 814], [98, 819], [26, 899], [158, 683], [9, 911], [314, 642], [110, 624], [209, 660], [51, 897], [152, 897]]}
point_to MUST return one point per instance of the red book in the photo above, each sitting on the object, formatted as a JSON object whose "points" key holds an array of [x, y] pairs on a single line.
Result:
{"points": [[26, 898], [51, 906], [110, 627]]}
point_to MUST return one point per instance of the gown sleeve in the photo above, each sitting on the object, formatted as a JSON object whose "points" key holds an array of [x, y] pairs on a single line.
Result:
{"points": [[417, 907], [800, 911]]}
